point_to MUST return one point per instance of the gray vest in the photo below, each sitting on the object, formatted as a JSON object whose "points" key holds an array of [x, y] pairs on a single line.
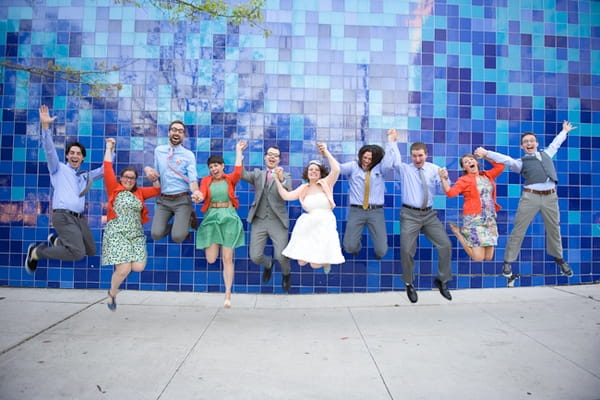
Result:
{"points": [[536, 171], [263, 207]]}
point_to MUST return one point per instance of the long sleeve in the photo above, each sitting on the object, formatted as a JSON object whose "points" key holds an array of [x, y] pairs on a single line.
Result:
{"points": [[392, 159], [556, 143], [514, 165], [50, 150], [110, 179]]}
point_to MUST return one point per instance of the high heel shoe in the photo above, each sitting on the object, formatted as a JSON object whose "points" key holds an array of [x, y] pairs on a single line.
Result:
{"points": [[227, 303], [112, 306]]}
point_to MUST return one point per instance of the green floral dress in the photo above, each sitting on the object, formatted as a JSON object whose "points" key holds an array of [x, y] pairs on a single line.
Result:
{"points": [[220, 225], [124, 240]]}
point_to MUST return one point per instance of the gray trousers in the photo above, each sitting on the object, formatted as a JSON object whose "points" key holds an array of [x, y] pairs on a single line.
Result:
{"points": [[181, 209], [413, 222], [375, 221], [262, 229], [529, 205], [75, 239]]}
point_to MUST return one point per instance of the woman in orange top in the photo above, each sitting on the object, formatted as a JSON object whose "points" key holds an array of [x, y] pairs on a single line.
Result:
{"points": [[124, 242], [479, 234]]}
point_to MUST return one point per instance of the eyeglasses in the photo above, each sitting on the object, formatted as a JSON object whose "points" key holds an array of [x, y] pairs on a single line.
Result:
{"points": [[131, 178], [273, 154], [177, 130]]}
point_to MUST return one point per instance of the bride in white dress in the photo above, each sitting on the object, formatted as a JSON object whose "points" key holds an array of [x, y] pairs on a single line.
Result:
{"points": [[315, 239]]}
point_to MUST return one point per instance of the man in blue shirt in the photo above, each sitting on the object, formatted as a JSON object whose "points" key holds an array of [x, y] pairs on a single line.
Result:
{"points": [[175, 166], [74, 239], [420, 182], [366, 196]]}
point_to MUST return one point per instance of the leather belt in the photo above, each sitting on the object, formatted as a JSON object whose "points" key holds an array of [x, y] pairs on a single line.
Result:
{"points": [[62, 210], [416, 208], [541, 192], [174, 196], [369, 207], [220, 204]]}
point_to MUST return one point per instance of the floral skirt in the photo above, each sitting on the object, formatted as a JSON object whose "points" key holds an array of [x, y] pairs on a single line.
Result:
{"points": [[480, 229]]}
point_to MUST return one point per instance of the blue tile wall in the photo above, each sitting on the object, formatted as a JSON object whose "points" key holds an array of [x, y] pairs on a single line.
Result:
{"points": [[456, 74]]}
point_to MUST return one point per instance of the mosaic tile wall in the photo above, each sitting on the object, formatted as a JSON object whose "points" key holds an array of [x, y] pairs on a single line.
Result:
{"points": [[455, 74]]}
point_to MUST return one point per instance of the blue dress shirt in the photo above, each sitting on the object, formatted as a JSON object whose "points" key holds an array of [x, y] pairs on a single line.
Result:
{"points": [[66, 182], [356, 178], [183, 160], [412, 192]]}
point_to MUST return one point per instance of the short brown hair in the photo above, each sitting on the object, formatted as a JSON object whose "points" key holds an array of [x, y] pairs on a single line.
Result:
{"points": [[527, 134], [418, 146]]}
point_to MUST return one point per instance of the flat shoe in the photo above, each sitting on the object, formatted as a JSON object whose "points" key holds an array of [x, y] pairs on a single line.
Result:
{"points": [[227, 303], [112, 306]]}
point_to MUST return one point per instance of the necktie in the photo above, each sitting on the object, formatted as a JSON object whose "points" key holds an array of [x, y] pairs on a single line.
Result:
{"points": [[365, 203], [88, 182], [269, 176], [424, 187], [169, 157]]}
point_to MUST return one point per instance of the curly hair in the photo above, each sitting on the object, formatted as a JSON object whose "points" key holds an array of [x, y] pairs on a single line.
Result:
{"points": [[376, 151]]}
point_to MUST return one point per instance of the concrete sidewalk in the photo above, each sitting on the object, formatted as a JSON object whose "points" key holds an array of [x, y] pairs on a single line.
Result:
{"points": [[518, 343]]}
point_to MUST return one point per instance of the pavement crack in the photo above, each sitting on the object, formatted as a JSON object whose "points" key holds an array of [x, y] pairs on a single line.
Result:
{"points": [[46, 329], [366, 344]]}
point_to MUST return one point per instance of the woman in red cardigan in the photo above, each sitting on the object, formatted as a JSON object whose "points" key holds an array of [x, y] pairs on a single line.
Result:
{"points": [[479, 233], [221, 227], [123, 241]]}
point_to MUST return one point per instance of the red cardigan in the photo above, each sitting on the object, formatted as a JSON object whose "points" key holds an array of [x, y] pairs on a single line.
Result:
{"points": [[113, 187], [467, 185], [232, 180]]}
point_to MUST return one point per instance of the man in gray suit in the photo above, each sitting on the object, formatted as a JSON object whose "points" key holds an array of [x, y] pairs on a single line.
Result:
{"points": [[269, 217]]}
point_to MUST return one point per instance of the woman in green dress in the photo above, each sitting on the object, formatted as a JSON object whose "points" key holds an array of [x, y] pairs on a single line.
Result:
{"points": [[221, 227], [124, 241]]}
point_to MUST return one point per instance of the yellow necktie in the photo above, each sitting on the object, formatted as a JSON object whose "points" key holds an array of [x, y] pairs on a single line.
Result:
{"points": [[365, 203]]}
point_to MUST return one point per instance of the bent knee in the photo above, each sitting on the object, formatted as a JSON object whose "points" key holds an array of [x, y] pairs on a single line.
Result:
{"points": [[178, 237], [76, 254]]}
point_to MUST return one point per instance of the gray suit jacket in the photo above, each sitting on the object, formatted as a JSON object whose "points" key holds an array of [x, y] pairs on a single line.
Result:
{"points": [[258, 178]]}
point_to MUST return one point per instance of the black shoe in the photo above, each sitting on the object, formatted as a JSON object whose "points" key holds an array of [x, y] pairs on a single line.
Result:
{"points": [[411, 293], [443, 287], [30, 263], [506, 270], [267, 272], [53, 239], [286, 283]]}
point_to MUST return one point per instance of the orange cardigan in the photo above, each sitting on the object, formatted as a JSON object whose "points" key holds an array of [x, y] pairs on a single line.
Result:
{"points": [[113, 187], [232, 180], [467, 185]]}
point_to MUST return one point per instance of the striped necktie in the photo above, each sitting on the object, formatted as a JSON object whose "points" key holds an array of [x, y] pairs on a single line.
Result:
{"points": [[424, 187], [169, 157], [88, 182]]}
